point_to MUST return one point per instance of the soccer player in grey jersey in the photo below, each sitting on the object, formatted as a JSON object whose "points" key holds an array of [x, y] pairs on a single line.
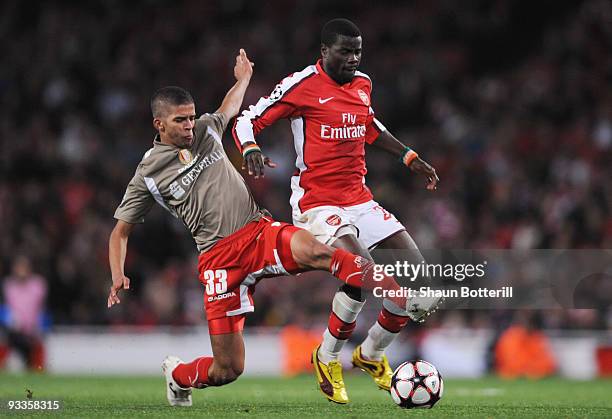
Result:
{"points": [[188, 173]]}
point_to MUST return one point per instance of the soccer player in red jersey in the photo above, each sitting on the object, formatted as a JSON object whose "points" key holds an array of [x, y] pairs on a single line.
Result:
{"points": [[329, 107], [188, 173]]}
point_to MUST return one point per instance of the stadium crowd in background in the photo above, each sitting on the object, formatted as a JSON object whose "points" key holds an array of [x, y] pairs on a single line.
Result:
{"points": [[510, 101]]}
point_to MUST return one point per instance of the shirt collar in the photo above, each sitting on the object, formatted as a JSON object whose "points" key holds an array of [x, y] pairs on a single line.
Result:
{"points": [[326, 77], [157, 142]]}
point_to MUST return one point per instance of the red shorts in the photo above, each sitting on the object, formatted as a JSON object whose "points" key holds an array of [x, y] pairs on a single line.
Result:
{"points": [[231, 269]]}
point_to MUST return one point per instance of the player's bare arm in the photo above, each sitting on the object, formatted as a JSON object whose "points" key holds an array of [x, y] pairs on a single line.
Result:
{"points": [[386, 141], [117, 249], [231, 106], [243, 70]]}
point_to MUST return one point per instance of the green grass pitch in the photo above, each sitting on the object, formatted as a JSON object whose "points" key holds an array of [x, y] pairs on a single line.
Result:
{"points": [[131, 397]]}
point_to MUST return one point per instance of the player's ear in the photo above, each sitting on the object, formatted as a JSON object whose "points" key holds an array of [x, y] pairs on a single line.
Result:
{"points": [[158, 124], [324, 50]]}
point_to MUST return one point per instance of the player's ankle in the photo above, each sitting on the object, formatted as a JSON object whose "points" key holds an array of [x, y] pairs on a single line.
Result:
{"points": [[369, 353], [375, 358], [325, 357]]}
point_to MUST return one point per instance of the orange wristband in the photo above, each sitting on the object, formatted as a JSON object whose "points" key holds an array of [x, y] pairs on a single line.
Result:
{"points": [[249, 149], [408, 156]]}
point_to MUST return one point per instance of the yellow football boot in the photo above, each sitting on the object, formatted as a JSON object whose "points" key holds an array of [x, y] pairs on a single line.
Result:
{"points": [[380, 371], [329, 379]]}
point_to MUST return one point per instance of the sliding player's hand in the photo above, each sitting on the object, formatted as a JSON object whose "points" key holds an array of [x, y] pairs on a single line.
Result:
{"points": [[254, 163], [243, 70], [423, 168], [119, 282]]}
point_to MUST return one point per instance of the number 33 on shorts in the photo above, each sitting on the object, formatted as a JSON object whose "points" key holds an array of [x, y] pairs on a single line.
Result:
{"points": [[216, 281]]}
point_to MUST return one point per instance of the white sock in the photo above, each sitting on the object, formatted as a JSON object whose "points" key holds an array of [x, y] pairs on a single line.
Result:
{"points": [[347, 310], [378, 339], [330, 348]]}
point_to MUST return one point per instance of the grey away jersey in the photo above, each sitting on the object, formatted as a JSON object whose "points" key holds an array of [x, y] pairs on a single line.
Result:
{"points": [[198, 185]]}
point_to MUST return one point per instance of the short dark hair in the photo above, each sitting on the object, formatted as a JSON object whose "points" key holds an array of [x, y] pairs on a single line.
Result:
{"points": [[169, 95], [335, 27]]}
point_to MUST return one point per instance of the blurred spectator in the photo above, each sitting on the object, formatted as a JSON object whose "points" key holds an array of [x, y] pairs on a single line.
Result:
{"points": [[23, 316], [295, 343], [523, 350]]}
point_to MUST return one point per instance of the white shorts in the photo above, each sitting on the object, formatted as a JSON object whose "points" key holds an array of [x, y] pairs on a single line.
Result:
{"points": [[373, 222]]}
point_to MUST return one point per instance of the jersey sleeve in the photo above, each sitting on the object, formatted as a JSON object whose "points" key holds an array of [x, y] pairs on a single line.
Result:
{"points": [[373, 127], [281, 103], [136, 202], [217, 122]]}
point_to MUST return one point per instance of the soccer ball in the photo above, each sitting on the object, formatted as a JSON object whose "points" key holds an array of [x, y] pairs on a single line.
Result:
{"points": [[416, 384]]}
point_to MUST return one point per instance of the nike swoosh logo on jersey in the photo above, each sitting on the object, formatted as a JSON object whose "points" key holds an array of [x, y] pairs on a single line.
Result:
{"points": [[322, 101]]}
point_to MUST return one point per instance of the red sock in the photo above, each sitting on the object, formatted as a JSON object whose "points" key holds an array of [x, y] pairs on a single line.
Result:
{"points": [[194, 373], [359, 272], [391, 322], [340, 329]]}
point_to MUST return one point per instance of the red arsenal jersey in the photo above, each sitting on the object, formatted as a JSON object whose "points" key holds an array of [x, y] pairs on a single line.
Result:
{"points": [[331, 124]]}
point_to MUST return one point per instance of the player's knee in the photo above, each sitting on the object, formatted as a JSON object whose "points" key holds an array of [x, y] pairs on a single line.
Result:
{"points": [[353, 293], [226, 375], [311, 253], [238, 367], [230, 376], [238, 370], [318, 255]]}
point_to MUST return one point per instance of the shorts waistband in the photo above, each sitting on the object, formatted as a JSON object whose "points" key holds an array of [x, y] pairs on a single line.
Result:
{"points": [[229, 239]]}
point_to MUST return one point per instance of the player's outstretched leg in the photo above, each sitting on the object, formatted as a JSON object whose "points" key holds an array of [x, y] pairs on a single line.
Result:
{"points": [[354, 270], [225, 366]]}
